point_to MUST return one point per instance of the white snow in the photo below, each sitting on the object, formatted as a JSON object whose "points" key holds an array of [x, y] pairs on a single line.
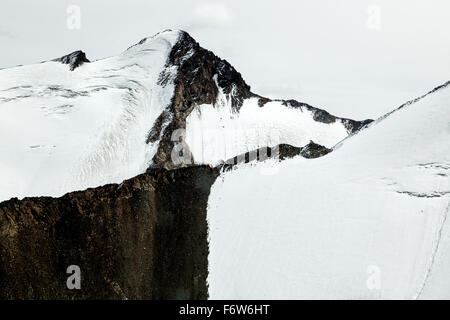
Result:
{"points": [[369, 220], [64, 130], [216, 133]]}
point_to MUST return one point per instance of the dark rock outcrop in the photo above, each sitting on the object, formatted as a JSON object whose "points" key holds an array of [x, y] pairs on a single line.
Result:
{"points": [[74, 59], [323, 116], [200, 75], [313, 150], [281, 152], [143, 239]]}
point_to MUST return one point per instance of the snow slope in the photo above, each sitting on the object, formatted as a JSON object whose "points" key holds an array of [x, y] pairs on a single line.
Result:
{"points": [[217, 133], [369, 220], [63, 130]]}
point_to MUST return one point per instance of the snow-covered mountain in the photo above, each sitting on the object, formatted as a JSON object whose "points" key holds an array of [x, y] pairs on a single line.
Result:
{"points": [[69, 124], [64, 130], [368, 220], [361, 211]]}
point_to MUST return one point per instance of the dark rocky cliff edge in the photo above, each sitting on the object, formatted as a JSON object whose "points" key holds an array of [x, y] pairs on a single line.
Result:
{"points": [[143, 239]]}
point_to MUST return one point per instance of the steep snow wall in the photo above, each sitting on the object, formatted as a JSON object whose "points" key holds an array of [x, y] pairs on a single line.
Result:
{"points": [[216, 133]]}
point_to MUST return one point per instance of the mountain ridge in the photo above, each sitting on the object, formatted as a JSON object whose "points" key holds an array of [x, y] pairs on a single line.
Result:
{"points": [[142, 226], [86, 124]]}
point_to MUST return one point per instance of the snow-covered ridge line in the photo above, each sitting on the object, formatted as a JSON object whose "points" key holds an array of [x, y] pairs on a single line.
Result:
{"points": [[406, 104], [85, 124], [440, 87]]}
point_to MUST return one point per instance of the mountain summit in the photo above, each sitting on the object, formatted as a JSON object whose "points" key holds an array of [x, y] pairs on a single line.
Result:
{"points": [[74, 59], [87, 124], [149, 171]]}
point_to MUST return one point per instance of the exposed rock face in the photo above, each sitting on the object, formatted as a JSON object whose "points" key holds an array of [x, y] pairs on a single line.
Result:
{"points": [[199, 77], [74, 59], [281, 152], [143, 239], [313, 150]]}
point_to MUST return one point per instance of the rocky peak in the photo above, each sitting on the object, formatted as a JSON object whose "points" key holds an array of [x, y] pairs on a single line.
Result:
{"points": [[74, 59], [201, 68], [200, 76]]}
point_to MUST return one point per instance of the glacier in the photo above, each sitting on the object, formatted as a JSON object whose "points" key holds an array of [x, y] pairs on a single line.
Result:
{"points": [[64, 130], [367, 221]]}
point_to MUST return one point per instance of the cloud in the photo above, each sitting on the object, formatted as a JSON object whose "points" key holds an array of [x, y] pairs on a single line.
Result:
{"points": [[210, 15], [6, 34]]}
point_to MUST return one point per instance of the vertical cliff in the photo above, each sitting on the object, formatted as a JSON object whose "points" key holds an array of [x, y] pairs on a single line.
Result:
{"points": [[143, 239]]}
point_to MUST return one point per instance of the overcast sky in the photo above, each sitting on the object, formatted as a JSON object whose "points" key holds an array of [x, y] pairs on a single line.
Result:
{"points": [[354, 58]]}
